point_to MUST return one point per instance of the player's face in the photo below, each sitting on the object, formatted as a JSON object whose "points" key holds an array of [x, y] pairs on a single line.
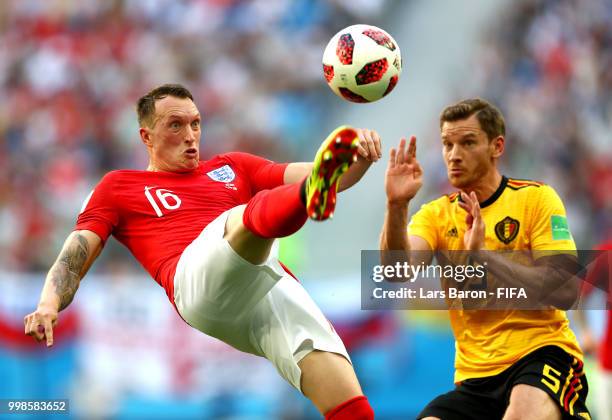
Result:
{"points": [[468, 153], [174, 138]]}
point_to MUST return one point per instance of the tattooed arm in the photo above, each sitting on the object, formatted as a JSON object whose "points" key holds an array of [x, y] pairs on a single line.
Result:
{"points": [[78, 253]]}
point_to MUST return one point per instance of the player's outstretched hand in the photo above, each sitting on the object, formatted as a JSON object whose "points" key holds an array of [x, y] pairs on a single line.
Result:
{"points": [[369, 148], [475, 234], [40, 323], [404, 175]]}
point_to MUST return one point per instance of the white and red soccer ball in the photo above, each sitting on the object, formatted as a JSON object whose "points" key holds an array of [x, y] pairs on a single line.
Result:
{"points": [[362, 63]]}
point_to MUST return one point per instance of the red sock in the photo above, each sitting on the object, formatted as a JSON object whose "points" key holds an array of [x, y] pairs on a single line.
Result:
{"points": [[275, 213], [357, 408]]}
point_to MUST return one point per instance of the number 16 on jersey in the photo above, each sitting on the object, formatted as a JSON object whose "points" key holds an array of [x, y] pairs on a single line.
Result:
{"points": [[162, 195]]}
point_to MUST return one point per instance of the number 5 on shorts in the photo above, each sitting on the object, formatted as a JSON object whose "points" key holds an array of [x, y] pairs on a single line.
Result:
{"points": [[551, 378]]}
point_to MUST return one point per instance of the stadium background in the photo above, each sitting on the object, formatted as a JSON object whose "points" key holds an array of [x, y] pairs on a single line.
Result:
{"points": [[70, 71]]}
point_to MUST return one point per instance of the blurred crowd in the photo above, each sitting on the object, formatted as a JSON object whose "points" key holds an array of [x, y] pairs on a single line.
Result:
{"points": [[548, 65], [72, 70]]}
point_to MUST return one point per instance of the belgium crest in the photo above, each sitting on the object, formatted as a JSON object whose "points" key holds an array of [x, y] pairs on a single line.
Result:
{"points": [[507, 229]]}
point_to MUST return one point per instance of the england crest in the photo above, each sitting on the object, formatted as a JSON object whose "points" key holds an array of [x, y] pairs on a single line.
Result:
{"points": [[223, 174]]}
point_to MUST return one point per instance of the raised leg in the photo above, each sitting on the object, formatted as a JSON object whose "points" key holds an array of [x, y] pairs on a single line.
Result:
{"points": [[270, 214], [248, 245]]}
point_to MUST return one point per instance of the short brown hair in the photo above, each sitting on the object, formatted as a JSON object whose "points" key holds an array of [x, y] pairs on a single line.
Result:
{"points": [[490, 118], [146, 104]]}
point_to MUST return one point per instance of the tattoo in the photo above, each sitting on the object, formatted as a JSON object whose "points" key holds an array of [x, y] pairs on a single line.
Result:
{"points": [[66, 272]]}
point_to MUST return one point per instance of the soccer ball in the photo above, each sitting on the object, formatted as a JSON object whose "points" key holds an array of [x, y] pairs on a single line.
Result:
{"points": [[362, 63]]}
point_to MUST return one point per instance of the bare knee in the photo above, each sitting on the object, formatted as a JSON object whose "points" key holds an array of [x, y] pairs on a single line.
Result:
{"points": [[430, 418], [528, 402], [245, 243], [328, 380]]}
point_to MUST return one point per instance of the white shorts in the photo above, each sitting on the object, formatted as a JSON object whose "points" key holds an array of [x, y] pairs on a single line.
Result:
{"points": [[604, 402], [258, 309]]}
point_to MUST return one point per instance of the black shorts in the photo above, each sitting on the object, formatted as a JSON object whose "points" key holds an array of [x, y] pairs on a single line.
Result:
{"points": [[549, 368]]}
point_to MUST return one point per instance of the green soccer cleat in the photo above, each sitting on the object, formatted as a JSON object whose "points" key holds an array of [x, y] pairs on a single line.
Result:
{"points": [[336, 154]]}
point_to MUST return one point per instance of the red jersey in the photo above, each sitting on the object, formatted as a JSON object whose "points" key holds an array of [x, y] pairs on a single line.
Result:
{"points": [[605, 355], [600, 277], [606, 346], [156, 215]]}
